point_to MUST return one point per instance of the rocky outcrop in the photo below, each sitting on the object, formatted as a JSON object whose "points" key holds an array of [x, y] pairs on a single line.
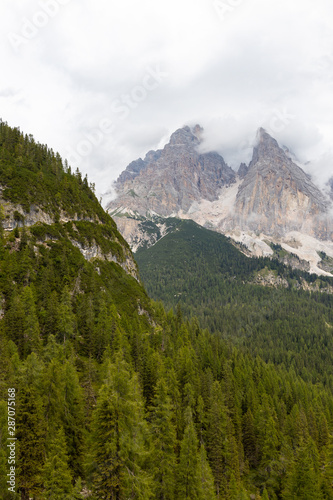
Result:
{"points": [[171, 179], [93, 251], [13, 215], [144, 233], [270, 279]]}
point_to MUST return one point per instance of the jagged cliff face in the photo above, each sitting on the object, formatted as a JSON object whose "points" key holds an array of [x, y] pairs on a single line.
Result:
{"points": [[276, 196], [271, 200], [172, 179]]}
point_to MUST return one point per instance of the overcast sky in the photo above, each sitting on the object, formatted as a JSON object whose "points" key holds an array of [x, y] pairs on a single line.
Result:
{"points": [[104, 81]]}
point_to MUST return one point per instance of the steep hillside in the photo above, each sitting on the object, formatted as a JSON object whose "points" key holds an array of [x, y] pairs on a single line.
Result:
{"points": [[37, 189]]}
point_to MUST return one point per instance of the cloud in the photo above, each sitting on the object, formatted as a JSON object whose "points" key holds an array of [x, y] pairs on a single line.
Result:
{"points": [[321, 170], [259, 64]]}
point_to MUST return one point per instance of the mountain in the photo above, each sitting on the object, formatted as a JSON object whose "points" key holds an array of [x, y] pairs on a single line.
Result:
{"points": [[276, 196], [272, 200], [112, 396], [172, 179]]}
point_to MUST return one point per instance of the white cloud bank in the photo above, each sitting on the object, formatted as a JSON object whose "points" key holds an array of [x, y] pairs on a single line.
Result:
{"points": [[103, 82]]}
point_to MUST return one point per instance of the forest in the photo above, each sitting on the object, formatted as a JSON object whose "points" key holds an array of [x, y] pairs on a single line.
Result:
{"points": [[203, 273], [119, 398]]}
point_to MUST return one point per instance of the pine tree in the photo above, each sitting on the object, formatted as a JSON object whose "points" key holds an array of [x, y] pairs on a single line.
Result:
{"points": [[119, 446], [206, 480], [66, 318], [327, 479], [57, 475], [104, 328], [53, 389], [15, 323], [32, 340], [249, 438], [303, 477], [164, 444], [217, 423], [265, 495], [73, 417], [233, 488], [323, 431], [3, 450], [188, 485], [31, 436]]}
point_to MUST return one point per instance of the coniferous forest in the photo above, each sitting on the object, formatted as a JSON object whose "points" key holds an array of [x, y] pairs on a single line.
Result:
{"points": [[118, 398]]}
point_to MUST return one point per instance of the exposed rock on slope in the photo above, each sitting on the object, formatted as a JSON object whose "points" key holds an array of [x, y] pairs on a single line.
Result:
{"points": [[95, 235]]}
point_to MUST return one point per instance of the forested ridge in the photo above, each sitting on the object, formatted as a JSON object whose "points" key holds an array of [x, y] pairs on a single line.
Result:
{"points": [[119, 399], [203, 273]]}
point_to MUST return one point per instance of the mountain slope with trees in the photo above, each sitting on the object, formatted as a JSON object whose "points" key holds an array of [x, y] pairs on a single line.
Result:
{"points": [[202, 272], [117, 399]]}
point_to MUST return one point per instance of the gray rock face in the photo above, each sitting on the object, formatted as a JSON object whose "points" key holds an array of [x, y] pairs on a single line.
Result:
{"points": [[330, 183], [93, 251], [277, 196], [170, 180], [242, 171]]}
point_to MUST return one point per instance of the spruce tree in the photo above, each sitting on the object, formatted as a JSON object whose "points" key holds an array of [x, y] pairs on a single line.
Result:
{"points": [[265, 495], [206, 480], [303, 477], [32, 340], [188, 485], [164, 444], [66, 318], [119, 447], [217, 424], [57, 475], [31, 442]]}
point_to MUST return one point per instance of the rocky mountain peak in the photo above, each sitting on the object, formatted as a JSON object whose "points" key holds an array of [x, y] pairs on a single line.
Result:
{"points": [[277, 195], [172, 179], [266, 146], [185, 136]]}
